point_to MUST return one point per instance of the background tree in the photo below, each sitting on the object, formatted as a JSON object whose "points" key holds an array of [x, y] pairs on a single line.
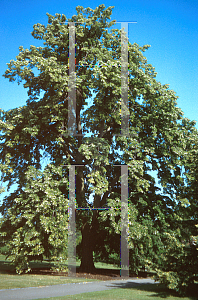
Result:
{"points": [[179, 268], [35, 219], [158, 140]]}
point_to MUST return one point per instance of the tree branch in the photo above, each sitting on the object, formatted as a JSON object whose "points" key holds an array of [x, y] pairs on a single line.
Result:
{"points": [[104, 197]]}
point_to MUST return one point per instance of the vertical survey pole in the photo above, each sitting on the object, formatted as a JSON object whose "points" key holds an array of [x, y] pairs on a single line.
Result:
{"points": [[71, 82], [124, 80], [72, 224], [124, 222]]}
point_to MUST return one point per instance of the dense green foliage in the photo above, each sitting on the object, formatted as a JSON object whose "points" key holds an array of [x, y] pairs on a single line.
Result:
{"points": [[161, 221], [33, 229]]}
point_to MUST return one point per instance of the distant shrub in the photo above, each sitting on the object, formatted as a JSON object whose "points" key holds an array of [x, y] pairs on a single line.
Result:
{"points": [[3, 250]]}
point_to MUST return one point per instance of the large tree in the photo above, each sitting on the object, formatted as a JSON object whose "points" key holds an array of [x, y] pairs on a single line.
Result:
{"points": [[159, 138]]}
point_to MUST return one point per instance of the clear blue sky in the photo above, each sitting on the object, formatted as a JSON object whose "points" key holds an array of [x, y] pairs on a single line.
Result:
{"points": [[169, 26]]}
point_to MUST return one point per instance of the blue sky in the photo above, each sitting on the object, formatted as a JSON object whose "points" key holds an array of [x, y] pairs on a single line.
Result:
{"points": [[169, 26]]}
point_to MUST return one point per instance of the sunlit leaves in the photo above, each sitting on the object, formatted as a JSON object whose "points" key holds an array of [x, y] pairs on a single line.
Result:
{"points": [[38, 218]]}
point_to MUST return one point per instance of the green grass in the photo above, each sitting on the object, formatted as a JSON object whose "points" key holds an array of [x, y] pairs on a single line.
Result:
{"points": [[101, 265], [11, 280], [28, 280], [144, 292]]}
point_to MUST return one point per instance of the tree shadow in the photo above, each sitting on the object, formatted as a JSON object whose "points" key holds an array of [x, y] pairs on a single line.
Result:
{"points": [[158, 290], [38, 267], [6, 267]]}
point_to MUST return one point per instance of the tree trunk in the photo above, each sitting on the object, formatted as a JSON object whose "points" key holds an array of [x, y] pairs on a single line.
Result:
{"points": [[87, 264]]}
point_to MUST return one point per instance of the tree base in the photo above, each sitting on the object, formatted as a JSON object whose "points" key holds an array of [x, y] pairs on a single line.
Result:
{"points": [[87, 268]]}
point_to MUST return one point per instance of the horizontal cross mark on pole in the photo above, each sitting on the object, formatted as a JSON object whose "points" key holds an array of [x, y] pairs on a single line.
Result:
{"points": [[99, 208]]}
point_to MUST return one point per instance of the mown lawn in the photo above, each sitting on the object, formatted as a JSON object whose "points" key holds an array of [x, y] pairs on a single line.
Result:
{"points": [[143, 292], [11, 280], [101, 265]]}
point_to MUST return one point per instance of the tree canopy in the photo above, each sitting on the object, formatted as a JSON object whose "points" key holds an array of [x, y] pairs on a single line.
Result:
{"points": [[160, 139]]}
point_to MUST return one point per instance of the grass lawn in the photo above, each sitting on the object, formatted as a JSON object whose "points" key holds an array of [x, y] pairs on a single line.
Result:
{"points": [[10, 281], [146, 292], [101, 265], [28, 280]]}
